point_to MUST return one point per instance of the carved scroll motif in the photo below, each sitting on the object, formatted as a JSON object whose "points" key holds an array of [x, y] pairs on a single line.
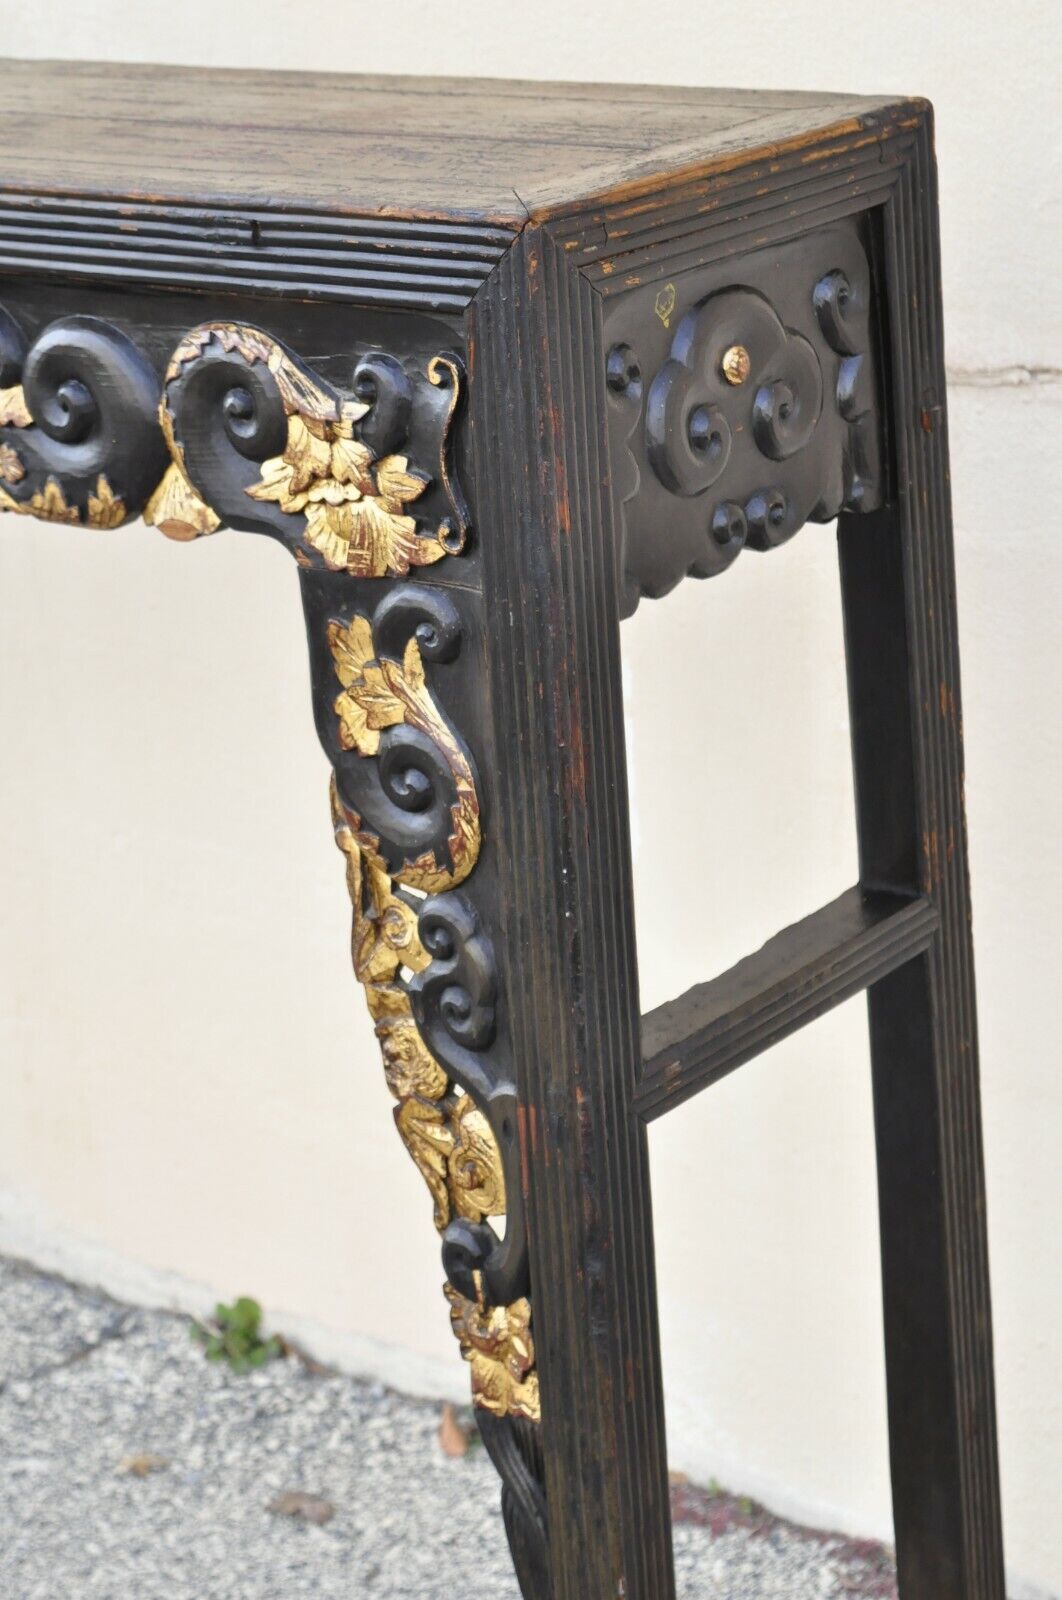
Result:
{"points": [[79, 443], [240, 432], [245, 421], [380, 694]]}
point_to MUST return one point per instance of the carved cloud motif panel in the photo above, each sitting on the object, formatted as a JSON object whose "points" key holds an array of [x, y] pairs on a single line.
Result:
{"points": [[738, 414]]}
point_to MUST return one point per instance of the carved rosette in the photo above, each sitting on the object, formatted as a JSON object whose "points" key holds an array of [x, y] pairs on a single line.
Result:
{"points": [[240, 432]]}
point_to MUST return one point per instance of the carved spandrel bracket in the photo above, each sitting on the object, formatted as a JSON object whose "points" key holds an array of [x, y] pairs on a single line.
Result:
{"points": [[406, 799], [360, 486], [236, 431], [742, 406], [259, 441], [239, 431]]}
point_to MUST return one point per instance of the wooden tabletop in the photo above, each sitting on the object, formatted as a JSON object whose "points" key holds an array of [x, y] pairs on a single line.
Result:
{"points": [[486, 150]]}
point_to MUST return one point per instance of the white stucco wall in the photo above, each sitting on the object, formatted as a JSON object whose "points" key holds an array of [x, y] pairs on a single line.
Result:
{"points": [[189, 1083]]}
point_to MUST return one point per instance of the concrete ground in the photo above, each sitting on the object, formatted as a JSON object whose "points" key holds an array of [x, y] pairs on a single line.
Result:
{"points": [[130, 1466]]}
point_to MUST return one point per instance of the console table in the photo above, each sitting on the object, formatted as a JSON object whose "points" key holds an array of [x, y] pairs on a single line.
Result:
{"points": [[495, 361]]}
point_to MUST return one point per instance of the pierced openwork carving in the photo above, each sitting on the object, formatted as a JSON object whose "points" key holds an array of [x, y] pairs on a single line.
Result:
{"points": [[240, 432], [429, 975], [448, 1136], [246, 421], [361, 486], [410, 807], [740, 418]]}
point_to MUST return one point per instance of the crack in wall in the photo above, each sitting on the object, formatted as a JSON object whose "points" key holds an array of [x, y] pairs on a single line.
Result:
{"points": [[1012, 377]]}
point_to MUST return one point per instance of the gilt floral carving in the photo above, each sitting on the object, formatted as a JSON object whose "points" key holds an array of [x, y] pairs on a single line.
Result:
{"points": [[448, 1137], [382, 693], [256, 438], [358, 508]]}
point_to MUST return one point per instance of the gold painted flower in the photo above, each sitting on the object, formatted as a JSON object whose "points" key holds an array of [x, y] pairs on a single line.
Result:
{"points": [[497, 1342], [356, 507]]}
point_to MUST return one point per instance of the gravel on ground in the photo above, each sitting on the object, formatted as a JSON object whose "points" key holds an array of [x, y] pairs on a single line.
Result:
{"points": [[131, 1468]]}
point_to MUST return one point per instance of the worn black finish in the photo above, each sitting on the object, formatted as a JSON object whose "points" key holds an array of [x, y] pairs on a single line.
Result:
{"points": [[94, 397], [603, 277], [710, 464], [800, 974]]}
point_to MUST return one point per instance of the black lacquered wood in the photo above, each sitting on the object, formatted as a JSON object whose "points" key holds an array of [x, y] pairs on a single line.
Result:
{"points": [[803, 972], [898, 586]]}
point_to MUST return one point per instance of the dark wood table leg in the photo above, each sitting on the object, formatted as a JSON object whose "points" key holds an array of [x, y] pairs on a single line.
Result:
{"points": [[565, 937], [899, 596]]}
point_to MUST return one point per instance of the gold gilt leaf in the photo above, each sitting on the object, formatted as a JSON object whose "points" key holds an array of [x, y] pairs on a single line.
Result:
{"points": [[248, 342], [396, 484], [413, 667], [354, 730], [51, 504], [364, 710], [190, 348], [105, 508], [327, 531], [11, 468], [350, 412], [298, 391], [275, 484], [351, 463], [352, 648], [429, 1141], [48, 503], [368, 703], [379, 541], [383, 707], [308, 453], [14, 413], [177, 511]]}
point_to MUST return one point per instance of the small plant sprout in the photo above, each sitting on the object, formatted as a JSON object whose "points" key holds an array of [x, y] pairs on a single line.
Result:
{"points": [[234, 1335]]}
